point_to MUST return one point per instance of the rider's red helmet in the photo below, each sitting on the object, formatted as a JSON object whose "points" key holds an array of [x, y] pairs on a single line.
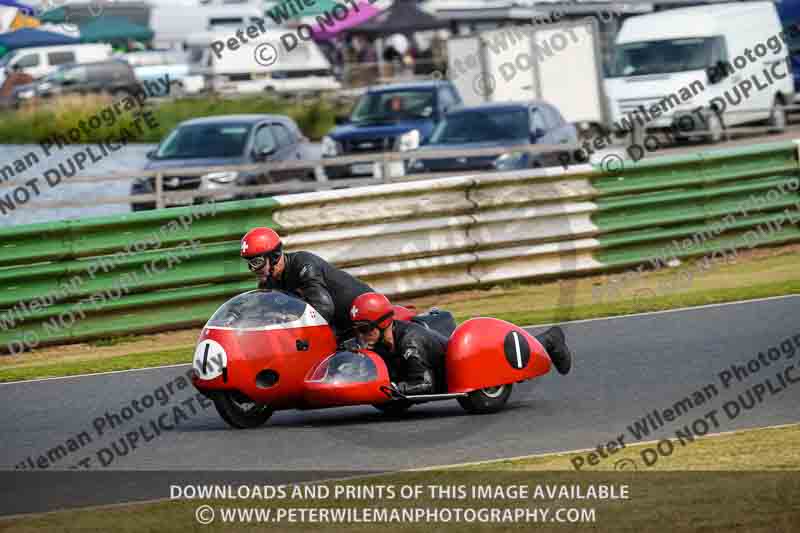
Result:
{"points": [[261, 245], [259, 241], [372, 310]]}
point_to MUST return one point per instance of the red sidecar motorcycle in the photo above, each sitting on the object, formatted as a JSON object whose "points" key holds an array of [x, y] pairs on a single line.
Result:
{"points": [[265, 350]]}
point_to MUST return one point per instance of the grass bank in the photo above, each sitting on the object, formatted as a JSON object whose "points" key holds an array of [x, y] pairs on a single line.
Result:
{"points": [[34, 124], [756, 274], [755, 490]]}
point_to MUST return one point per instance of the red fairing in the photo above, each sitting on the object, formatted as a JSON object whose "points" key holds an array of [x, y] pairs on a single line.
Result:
{"points": [[324, 390], [487, 352], [403, 313], [250, 352]]}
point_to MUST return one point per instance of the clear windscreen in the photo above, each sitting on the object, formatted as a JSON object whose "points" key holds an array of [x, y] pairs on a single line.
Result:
{"points": [[257, 309], [346, 367]]}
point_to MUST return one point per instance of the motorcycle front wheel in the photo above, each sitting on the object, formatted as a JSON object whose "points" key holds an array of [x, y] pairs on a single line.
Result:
{"points": [[239, 411]]}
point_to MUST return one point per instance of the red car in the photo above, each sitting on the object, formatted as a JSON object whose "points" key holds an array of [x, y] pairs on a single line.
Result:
{"points": [[263, 351]]}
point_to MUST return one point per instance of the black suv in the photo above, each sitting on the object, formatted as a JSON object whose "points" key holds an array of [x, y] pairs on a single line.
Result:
{"points": [[396, 117], [113, 76]]}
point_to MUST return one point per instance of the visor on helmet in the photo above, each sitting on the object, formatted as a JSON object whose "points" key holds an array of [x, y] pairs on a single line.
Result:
{"points": [[260, 261], [365, 326]]}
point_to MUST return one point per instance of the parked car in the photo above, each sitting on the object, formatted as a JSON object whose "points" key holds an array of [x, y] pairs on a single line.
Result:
{"points": [[40, 61], [153, 65], [495, 125], [225, 141], [395, 117], [113, 76]]}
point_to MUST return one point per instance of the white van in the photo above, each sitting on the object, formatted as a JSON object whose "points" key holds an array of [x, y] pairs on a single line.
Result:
{"points": [[246, 69], [42, 60], [726, 58], [171, 23]]}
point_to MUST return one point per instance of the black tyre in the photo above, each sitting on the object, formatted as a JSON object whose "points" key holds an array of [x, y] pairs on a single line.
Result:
{"points": [[176, 90], [395, 408], [239, 411], [120, 94], [715, 127], [489, 400], [777, 117]]}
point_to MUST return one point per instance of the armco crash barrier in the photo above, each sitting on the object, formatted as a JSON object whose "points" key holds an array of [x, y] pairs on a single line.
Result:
{"points": [[403, 239]]}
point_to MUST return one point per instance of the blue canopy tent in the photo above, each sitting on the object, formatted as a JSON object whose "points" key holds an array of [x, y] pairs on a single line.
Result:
{"points": [[24, 9], [28, 37]]}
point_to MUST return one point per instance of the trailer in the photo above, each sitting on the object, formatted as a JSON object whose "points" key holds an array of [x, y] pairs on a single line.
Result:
{"points": [[559, 63]]}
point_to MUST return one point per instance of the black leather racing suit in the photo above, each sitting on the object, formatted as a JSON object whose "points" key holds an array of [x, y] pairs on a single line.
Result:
{"points": [[416, 364], [329, 290]]}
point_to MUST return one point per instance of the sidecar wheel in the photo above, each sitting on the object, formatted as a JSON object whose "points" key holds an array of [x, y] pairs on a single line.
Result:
{"points": [[239, 411], [489, 400], [395, 408]]}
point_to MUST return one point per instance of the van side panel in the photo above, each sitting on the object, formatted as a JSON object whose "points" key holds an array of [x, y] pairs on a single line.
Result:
{"points": [[750, 94]]}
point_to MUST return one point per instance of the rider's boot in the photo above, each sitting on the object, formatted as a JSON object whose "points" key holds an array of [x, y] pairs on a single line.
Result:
{"points": [[556, 347]]}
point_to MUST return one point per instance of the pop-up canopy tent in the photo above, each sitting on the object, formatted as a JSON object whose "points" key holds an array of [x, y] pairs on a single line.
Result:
{"points": [[7, 16], [80, 13], [404, 16], [28, 37], [56, 15], [109, 29], [24, 8], [356, 16]]}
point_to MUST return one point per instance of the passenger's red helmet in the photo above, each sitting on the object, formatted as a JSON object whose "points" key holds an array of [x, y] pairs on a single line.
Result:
{"points": [[260, 246], [371, 310]]}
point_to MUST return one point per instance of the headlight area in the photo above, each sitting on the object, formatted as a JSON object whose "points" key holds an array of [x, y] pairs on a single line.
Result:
{"points": [[416, 165], [221, 178], [408, 141], [330, 148], [511, 161]]}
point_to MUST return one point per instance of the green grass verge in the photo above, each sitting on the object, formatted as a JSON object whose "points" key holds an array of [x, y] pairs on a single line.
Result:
{"points": [[759, 494], [44, 369], [36, 124]]}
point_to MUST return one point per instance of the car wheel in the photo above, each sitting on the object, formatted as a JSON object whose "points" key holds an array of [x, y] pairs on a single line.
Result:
{"points": [[119, 94], [716, 129], [777, 117], [239, 411], [488, 400], [176, 90]]}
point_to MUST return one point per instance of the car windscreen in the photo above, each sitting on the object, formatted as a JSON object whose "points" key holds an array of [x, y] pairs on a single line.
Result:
{"points": [[393, 105], [482, 126], [664, 56], [227, 139], [257, 309], [6, 59]]}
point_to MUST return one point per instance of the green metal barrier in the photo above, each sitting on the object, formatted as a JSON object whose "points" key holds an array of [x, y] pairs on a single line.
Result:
{"points": [[76, 280]]}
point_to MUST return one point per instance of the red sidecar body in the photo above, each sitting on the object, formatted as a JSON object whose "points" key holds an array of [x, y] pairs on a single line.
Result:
{"points": [[266, 350]]}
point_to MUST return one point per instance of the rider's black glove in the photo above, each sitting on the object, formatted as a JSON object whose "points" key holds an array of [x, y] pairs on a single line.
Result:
{"points": [[349, 345]]}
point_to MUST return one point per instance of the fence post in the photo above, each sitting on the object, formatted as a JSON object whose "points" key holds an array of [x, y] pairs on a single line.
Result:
{"points": [[160, 190]]}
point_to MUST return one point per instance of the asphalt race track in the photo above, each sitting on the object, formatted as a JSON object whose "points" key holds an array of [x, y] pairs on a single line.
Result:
{"points": [[624, 369]]}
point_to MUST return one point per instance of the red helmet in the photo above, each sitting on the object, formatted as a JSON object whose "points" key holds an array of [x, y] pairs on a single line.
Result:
{"points": [[261, 246], [259, 241], [372, 309]]}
